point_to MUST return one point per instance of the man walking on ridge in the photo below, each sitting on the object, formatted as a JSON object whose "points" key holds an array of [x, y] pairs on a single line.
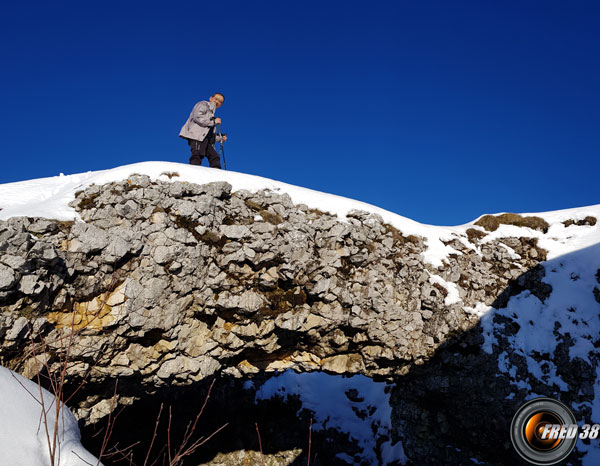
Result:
{"points": [[199, 130]]}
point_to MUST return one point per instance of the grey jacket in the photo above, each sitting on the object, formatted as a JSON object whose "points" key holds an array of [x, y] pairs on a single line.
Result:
{"points": [[199, 122]]}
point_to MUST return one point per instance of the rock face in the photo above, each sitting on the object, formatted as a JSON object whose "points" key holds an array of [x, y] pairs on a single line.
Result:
{"points": [[171, 284]]}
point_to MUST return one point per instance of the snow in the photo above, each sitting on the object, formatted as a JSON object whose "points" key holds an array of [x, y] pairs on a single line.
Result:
{"points": [[559, 240], [453, 297], [367, 411], [49, 197], [23, 440], [572, 261], [571, 305], [592, 458]]}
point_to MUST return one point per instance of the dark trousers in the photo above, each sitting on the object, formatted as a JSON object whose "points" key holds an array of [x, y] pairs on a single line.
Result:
{"points": [[201, 149]]}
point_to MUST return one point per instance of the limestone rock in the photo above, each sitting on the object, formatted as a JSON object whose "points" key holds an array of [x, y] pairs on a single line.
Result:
{"points": [[167, 284]]}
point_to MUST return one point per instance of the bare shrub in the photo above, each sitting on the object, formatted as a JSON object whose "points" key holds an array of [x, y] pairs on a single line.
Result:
{"points": [[491, 222]]}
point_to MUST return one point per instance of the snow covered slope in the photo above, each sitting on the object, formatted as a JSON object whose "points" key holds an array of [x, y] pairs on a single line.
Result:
{"points": [[23, 440], [572, 262], [49, 198]]}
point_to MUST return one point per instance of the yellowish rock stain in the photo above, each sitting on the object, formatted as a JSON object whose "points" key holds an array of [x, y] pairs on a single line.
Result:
{"points": [[94, 314]]}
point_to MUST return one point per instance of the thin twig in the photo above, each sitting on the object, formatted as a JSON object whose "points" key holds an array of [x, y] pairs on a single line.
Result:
{"points": [[83, 459], [262, 460], [169, 435], [182, 452], [154, 434], [109, 426], [309, 441], [197, 445]]}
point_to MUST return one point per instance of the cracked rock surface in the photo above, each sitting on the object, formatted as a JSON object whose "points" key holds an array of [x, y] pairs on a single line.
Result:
{"points": [[168, 284]]}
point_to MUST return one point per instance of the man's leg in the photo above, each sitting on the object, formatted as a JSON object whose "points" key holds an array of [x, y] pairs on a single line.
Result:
{"points": [[214, 160], [197, 152], [196, 158]]}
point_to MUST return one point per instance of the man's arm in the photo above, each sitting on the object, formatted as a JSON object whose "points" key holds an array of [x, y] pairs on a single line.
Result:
{"points": [[202, 115]]}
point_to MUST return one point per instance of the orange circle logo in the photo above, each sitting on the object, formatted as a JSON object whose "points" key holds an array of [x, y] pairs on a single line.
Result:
{"points": [[544, 431]]}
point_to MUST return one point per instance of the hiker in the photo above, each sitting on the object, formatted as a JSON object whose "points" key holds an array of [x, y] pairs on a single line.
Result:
{"points": [[199, 130]]}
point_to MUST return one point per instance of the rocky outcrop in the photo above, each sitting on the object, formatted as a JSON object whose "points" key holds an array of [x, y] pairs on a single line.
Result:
{"points": [[168, 284]]}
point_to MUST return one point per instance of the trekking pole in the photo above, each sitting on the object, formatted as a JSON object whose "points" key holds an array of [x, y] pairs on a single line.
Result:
{"points": [[222, 149]]}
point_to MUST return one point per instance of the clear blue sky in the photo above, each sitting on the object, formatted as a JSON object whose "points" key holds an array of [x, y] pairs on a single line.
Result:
{"points": [[436, 110]]}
